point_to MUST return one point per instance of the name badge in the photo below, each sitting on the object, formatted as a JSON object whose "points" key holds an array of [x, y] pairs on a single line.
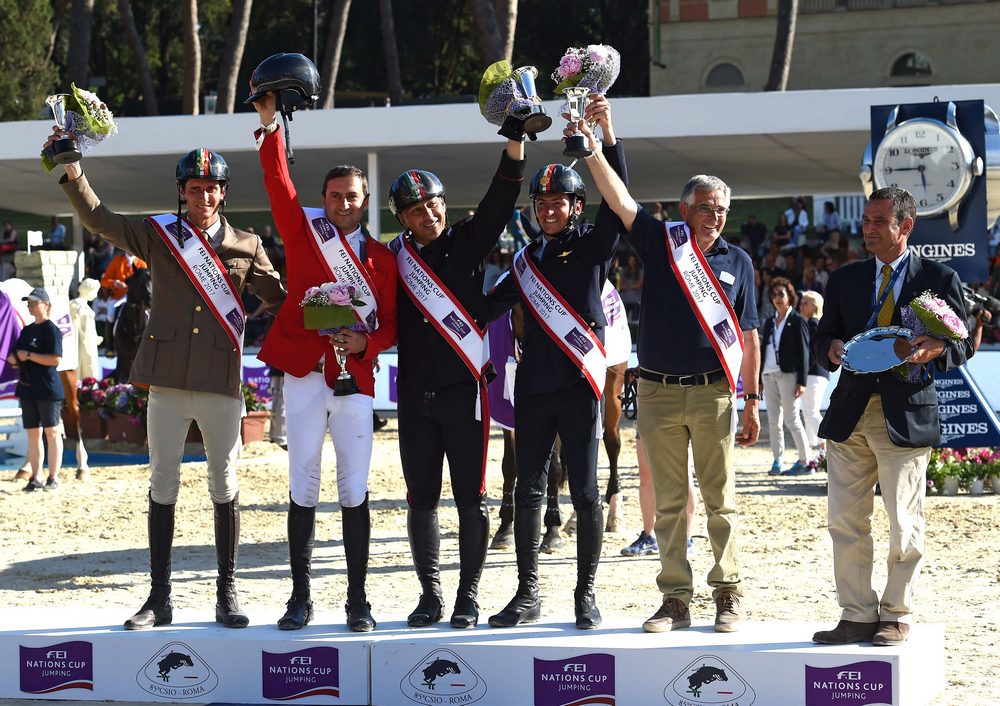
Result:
{"points": [[727, 278]]}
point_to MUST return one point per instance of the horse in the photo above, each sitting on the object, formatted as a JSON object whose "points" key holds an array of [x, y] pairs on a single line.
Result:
{"points": [[131, 321]]}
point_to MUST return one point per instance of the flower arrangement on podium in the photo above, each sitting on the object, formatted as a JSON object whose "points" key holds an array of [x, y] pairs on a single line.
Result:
{"points": [[83, 115], [929, 315], [328, 307]]}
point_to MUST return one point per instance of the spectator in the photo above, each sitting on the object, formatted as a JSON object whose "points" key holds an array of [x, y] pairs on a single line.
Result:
{"points": [[811, 308], [810, 280], [782, 236], [822, 275], [797, 219], [831, 221], [520, 228], [755, 233], [104, 318], [8, 238], [657, 211], [630, 286], [57, 235]]}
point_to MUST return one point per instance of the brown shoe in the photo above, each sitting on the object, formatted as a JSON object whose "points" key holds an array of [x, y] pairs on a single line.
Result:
{"points": [[846, 632], [890, 632], [728, 614], [672, 615]]}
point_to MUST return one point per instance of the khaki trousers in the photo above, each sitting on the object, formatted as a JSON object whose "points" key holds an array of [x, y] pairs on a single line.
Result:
{"points": [[670, 416], [170, 414], [854, 467]]}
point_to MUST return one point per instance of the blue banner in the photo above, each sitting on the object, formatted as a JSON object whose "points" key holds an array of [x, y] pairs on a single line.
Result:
{"points": [[967, 419]]}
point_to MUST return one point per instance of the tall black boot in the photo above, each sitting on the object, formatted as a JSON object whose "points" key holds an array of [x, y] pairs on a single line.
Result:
{"points": [[473, 535], [227, 547], [525, 606], [157, 610], [357, 536], [425, 546], [301, 529], [589, 538]]}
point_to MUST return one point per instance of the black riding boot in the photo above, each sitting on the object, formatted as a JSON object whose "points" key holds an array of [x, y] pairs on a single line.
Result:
{"points": [[357, 535], [525, 606], [589, 538], [227, 546], [301, 528], [425, 546], [473, 535], [157, 610]]}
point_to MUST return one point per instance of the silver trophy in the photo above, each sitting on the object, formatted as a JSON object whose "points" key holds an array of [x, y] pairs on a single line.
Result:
{"points": [[345, 384], [576, 144], [65, 149], [535, 119]]}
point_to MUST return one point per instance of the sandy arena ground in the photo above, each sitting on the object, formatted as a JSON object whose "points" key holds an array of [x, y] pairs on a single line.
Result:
{"points": [[85, 544]]}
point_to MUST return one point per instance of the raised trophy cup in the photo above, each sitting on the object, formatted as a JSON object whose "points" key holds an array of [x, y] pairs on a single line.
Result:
{"points": [[64, 150], [576, 144], [536, 120], [345, 384]]}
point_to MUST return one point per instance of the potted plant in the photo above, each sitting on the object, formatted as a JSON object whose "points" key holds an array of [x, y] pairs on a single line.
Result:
{"points": [[950, 469], [90, 395], [933, 474], [994, 470], [977, 466], [252, 425], [126, 407]]}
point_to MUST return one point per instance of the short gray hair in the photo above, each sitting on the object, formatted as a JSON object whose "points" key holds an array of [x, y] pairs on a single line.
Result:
{"points": [[706, 183]]}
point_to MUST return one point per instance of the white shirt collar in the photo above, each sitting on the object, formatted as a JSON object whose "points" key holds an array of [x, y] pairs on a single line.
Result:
{"points": [[894, 264]]}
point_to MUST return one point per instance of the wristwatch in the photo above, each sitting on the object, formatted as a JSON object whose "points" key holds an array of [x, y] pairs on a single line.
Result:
{"points": [[751, 396]]}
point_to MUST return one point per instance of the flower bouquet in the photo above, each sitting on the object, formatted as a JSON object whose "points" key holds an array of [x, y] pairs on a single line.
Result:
{"points": [[504, 91], [328, 307], [87, 118], [929, 315], [595, 66]]}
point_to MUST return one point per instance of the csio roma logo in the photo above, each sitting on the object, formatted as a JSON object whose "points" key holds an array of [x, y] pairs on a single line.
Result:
{"points": [[709, 681], [442, 677], [176, 671]]}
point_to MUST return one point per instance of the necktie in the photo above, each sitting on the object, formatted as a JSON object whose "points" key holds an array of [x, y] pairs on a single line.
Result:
{"points": [[885, 313]]}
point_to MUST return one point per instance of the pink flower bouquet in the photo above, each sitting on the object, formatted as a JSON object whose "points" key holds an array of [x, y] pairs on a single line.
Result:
{"points": [[328, 307]]}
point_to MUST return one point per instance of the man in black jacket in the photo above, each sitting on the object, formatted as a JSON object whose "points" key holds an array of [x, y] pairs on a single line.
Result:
{"points": [[560, 378], [881, 427], [442, 401]]}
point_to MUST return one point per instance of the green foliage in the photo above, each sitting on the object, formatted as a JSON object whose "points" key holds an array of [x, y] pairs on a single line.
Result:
{"points": [[25, 78]]}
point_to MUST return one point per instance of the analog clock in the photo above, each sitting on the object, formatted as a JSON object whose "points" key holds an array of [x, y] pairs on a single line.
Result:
{"points": [[930, 159]]}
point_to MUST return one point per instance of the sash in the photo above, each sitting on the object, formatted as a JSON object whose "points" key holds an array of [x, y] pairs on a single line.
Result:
{"points": [[709, 303], [206, 272], [342, 265], [563, 325], [441, 308]]}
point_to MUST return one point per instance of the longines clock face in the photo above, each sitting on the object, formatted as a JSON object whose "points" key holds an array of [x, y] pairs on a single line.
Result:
{"points": [[928, 159]]}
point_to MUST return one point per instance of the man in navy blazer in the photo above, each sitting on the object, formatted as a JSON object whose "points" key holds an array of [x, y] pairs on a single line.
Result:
{"points": [[880, 426]]}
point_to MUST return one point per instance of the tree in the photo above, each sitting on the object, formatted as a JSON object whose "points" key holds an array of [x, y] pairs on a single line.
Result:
{"points": [[192, 58], [781, 58], [78, 58], [390, 51], [506, 14], [57, 19], [491, 44], [331, 55], [25, 76], [232, 55], [141, 63]]}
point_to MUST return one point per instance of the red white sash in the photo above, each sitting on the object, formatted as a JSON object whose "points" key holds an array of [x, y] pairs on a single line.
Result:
{"points": [[207, 273], [709, 303], [342, 265], [563, 325], [441, 308]]}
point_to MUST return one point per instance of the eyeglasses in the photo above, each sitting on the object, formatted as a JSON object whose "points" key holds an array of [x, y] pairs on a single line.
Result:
{"points": [[717, 211]]}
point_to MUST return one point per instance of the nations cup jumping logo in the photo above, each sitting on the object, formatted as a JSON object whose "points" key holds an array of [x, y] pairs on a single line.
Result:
{"points": [[66, 665], [287, 676], [442, 677]]}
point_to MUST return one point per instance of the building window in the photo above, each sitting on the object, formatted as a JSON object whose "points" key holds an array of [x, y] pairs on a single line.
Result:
{"points": [[911, 64], [724, 75]]}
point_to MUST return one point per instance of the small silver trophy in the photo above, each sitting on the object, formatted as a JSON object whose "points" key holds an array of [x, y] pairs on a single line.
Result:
{"points": [[576, 144], [65, 149], [345, 384], [536, 120]]}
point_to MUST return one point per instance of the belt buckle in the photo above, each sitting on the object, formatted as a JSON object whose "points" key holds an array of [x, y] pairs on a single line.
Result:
{"points": [[681, 380]]}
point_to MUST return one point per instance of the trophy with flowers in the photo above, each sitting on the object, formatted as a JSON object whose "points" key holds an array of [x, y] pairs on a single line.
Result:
{"points": [[507, 95], [582, 71], [327, 309], [83, 115]]}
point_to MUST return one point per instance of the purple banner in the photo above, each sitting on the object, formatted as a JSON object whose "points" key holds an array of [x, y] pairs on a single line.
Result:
{"points": [[583, 679], [857, 683], [298, 675], [66, 665], [10, 327]]}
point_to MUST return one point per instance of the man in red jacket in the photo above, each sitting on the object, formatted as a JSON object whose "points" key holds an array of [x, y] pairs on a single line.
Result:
{"points": [[326, 245]]}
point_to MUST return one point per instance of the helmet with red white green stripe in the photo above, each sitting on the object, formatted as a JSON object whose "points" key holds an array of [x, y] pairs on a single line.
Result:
{"points": [[413, 186], [558, 179], [202, 163]]}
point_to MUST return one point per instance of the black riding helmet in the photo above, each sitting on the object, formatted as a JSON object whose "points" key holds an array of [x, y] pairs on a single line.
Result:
{"points": [[559, 179], [293, 77], [413, 186]]}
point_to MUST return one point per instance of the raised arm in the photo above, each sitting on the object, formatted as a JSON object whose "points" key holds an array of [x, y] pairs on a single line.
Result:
{"points": [[611, 186], [285, 206]]}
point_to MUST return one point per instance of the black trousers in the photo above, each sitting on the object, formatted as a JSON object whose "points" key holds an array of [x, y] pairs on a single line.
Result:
{"points": [[573, 413], [439, 424]]}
